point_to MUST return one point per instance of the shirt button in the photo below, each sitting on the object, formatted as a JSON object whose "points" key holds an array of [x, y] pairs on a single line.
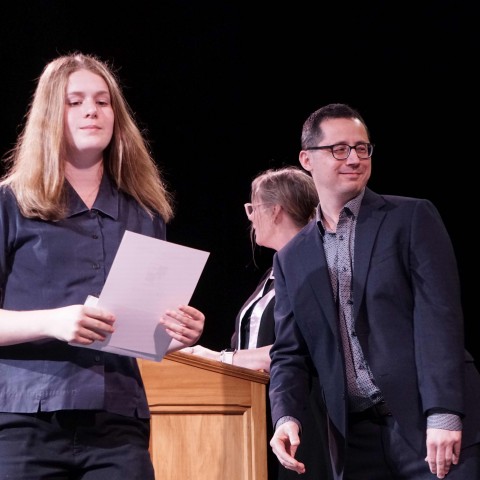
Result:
{"points": [[94, 236], [95, 266]]}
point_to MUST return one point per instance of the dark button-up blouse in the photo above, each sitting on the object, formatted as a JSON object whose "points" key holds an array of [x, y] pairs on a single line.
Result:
{"points": [[47, 265]]}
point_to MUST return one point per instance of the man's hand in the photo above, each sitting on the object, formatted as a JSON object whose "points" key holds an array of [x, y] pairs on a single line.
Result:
{"points": [[284, 443], [443, 450]]}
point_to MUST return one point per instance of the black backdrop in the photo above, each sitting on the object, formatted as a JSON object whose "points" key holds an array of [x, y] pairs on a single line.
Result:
{"points": [[222, 89]]}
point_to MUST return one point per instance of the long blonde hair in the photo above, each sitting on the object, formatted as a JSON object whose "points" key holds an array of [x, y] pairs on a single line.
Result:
{"points": [[36, 164]]}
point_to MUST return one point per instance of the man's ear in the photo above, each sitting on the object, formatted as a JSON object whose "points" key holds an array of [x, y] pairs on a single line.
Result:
{"points": [[304, 158]]}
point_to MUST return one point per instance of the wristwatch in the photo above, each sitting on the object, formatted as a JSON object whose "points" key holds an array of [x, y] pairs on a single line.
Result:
{"points": [[226, 356]]}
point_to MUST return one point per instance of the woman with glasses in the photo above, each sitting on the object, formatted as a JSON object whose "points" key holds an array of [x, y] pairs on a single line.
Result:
{"points": [[282, 202]]}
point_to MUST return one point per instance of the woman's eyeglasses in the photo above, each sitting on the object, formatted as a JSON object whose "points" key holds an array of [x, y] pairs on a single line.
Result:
{"points": [[250, 208]]}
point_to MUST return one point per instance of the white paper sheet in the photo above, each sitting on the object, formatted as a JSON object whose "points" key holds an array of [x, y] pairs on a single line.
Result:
{"points": [[148, 277]]}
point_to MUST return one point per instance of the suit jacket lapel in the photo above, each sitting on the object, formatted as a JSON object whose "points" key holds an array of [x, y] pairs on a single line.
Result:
{"points": [[369, 220], [312, 257]]}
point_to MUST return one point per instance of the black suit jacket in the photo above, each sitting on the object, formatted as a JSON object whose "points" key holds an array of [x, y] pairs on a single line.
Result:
{"points": [[408, 317], [266, 332], [313, 451]]}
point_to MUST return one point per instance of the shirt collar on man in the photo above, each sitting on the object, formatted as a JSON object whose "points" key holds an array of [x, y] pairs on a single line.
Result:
{"points": [[352, 206]]}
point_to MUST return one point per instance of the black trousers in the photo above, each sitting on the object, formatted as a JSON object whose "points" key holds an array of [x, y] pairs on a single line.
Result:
{"points": [[74, 445], [376, 450]]}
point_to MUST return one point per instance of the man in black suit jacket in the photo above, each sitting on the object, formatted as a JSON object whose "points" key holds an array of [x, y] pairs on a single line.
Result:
{"points": [[368, 298]]}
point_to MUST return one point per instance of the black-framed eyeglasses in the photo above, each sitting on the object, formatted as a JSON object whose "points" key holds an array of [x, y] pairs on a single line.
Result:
{"points": [[341, 151]]}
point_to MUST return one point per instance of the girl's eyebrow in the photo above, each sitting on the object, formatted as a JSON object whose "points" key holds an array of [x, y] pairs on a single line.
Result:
{"points": [[100, 92]]}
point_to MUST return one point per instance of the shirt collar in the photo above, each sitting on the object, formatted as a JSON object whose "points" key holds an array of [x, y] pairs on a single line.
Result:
{"points": [[351, 207], [106, 201]]}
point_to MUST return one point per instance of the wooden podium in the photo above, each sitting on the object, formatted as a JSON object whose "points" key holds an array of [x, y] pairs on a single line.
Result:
{"points": [[208, 419]]}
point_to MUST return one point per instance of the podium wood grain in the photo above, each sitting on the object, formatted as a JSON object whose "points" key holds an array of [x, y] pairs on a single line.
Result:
{"points": [[208, 419]]}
